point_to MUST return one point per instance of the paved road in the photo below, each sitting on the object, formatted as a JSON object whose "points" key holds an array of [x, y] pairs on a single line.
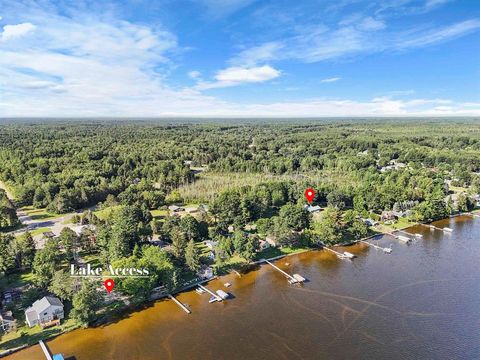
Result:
{"points": [[56, 225]]}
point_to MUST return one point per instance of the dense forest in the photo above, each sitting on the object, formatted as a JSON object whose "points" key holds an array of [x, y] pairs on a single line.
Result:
{"points": [[70, 166]]}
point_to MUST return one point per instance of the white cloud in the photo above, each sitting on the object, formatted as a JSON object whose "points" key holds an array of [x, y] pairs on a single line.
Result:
{"points": [[330, 80], [15, 31], [258, 54], [194, 74], [430, 4], [233, 76], [353, 36], [431, 37], [369, 24]]}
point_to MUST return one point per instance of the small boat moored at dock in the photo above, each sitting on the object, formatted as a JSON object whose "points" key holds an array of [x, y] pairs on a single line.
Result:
{"points": [[404, 239], [222, 294], [348, 255], [387, 250]]}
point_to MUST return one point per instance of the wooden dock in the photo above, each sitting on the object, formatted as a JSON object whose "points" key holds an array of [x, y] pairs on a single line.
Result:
{"points": [[339, 254], [218, 298], [46, 352], [182, 306], [433, 227], [291, 279], [386, 250]]}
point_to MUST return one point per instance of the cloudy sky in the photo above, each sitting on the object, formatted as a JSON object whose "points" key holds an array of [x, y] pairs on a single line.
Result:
{"points": [[239, 58]]}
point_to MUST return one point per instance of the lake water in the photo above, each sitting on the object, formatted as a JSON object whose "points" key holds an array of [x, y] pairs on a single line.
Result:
{"points": [[422, 301]]}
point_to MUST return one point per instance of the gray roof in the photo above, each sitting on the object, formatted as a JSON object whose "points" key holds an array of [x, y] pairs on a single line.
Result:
{"points": [[41, 305]]}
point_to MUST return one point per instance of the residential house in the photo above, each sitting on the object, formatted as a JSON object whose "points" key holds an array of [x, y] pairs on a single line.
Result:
{"points": [[203, 207], [263, 245], [388, 215], [7, 321], [272, 240], [312, 209], [211, 244], [206, 272], [191, 210], [175, 208], [49, 234], [370, 222], [211, 255], [477, 200], [44, 311]]}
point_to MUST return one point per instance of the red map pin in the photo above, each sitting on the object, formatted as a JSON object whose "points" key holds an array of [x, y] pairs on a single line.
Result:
{"points": [[109, 285], [310, 194]]}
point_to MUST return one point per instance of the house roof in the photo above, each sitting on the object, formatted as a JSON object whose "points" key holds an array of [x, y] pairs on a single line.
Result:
{"points": [[41, 305]]}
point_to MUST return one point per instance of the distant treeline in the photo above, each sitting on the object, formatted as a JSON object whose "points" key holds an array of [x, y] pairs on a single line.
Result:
{"points": [[65, 166]]}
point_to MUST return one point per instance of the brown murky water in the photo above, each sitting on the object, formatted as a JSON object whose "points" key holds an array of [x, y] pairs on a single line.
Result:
{"points": [[420, 302]]}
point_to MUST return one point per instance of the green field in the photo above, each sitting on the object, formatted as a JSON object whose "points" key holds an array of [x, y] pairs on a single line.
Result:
{"points": [[39, 214]]}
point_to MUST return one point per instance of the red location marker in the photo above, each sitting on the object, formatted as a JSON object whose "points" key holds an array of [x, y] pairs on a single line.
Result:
{"points": [[109, 285], [310, 194]]}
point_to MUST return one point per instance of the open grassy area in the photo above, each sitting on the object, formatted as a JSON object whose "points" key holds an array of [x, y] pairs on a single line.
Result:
{"points": [[107, 212], [30, 336], [159, 213], [39, 214], [276, 251], [208, 185], [39, 231], [16, 280]]}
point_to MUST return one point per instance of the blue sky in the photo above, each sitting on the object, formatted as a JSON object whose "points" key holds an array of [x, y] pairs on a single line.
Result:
{"points": [[239, 58]]}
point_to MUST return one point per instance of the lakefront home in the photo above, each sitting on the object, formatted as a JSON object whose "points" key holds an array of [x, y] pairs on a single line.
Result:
{"points": [[44, 312]]}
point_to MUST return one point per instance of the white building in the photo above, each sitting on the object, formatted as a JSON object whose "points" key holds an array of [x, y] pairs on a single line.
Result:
{"points": [[211, 244], [263, 245], [313, 209], [44, 310]]}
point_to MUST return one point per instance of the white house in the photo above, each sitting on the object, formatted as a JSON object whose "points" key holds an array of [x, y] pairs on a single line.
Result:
{"points": [[263, 245], [211, 244], [272, 240], [313, 209], [44, 310]]}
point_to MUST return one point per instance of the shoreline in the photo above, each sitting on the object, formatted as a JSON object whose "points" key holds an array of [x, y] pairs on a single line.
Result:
{"points": [[128, 309]]}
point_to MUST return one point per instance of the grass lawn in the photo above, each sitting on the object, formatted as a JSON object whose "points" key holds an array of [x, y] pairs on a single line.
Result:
{"points": [[159, 213], [30, 336], [402, 223], [107, 212], [275, 251], [39, 231], [16, 280], [39, 214]]}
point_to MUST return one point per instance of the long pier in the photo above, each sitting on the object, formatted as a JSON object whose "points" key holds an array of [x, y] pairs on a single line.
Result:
{"points": [[291, 278], [385, 250], [182, 306], [339, 254], [46, 352], [218, 298], [433, 227]]}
